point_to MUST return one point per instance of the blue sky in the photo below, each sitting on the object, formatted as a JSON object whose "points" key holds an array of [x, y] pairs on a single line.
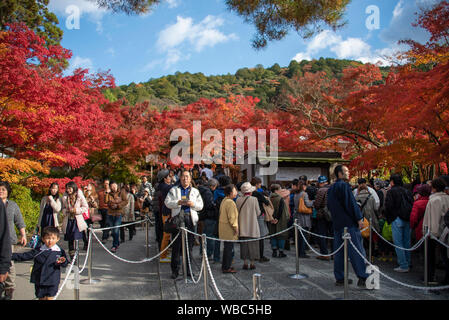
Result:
{"points": [[203, 36]]}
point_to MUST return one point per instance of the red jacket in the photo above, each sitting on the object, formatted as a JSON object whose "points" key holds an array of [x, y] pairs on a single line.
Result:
{"points": [[417, 215]]}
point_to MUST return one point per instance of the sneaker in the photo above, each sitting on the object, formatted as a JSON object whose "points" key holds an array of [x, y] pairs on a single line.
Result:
{"points": [[113, 249], [165, 260], [264, 259], [230, 270], [282, 255], [399, 269], [340, 283], [274, 254]]}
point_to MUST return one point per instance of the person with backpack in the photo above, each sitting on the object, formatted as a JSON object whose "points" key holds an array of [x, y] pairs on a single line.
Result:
{"points": [[323, 216], [398, 207], [366, 201], [436, 208]]}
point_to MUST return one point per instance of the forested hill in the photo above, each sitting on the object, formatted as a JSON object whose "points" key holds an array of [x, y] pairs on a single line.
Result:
{"points": [[265, 84]]}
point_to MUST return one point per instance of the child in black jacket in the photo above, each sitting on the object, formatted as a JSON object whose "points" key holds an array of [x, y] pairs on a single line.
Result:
{"points": [[48, 259]]}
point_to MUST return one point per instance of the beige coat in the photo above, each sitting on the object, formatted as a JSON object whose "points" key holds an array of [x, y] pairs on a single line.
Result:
{"points": [[80, 207], [228, 222], [128, 210], [437, 206], [248, 213], [56, 206]]}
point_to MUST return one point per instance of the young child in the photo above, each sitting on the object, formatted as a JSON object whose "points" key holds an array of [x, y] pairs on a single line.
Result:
{"points": [[48, 259]]}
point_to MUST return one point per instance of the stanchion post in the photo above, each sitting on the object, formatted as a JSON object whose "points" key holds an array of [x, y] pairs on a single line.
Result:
{"points": [[147, 237], [76, 271], [89, 266], [203, 239], [297, 275], [257, 293], [426, 247], [370, 240], [345, 261]]}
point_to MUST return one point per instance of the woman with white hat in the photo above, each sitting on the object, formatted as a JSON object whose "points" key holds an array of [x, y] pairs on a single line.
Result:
{"points": [[249, 210]]}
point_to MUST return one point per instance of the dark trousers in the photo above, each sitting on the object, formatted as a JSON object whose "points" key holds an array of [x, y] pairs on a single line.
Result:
{"points": [[104, 214], [228, 251], [131, 229], [158, 227], [261, 247], [177, 246], [323, 226], [85, 232], [302, 243], [432, 246]]}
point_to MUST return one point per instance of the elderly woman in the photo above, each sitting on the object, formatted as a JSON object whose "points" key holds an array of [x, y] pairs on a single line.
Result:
{"points": [[228, 228], [15, 218], [50, 207], [74, 204], [249, 210], [304, 220]]}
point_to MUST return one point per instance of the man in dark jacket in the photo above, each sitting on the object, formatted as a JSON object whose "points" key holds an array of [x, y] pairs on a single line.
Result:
{"points": [[398, 206], [346, 213], [5, 245], [209, 215]]}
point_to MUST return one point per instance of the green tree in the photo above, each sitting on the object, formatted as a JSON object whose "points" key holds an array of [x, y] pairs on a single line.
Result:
{"points": [[35, 14]]}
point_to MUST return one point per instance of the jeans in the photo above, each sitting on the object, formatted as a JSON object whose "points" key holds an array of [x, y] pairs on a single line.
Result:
{"points": [[357, 262], [277, 244], [114, 221], [401, 238], [213, 246]]}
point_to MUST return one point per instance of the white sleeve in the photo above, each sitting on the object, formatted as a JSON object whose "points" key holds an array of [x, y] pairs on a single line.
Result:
{"points": [[376, 198]]}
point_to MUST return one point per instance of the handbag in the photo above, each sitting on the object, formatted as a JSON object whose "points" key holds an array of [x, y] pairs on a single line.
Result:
{"points": [[302, 208], [386, 231], [269, 211], [172, 224], [86, 215], [35, 239], [365, 228]]}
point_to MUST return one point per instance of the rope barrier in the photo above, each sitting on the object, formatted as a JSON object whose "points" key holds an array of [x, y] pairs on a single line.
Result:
{"points": [[212, 276], [317, 253], [416, 246], [87, 254], [394, 280], [190, 266], [122, 225], [67, 276], [236, 241], [135, 262]]}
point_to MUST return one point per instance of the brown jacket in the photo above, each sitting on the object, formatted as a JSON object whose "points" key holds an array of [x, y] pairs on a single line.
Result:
{"points": [[102, 204], [116, 202]]}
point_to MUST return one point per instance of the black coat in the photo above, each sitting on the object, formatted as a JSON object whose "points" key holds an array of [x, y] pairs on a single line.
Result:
{"points": [[394, 204], [210, 210], [261, 200], [5, 242], [46, 272]]}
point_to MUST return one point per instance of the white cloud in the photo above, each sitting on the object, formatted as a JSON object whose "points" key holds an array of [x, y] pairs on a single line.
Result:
{"points": [[350, 48], [79, 62], [399, 9], [186, 36], [173, 3], [111, 52]]}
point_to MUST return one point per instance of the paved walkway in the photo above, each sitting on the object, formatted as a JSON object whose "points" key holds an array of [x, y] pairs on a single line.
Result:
{"points": [[151, 280]]}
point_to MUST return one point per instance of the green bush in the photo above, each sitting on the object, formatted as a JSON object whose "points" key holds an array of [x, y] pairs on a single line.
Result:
{"points": [[29, 208]]}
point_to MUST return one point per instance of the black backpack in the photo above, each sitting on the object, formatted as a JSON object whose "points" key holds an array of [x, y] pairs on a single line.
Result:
{"points": [[406, 205]]}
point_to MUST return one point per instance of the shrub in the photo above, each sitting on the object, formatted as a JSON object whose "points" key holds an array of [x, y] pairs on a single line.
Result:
{"points": [[29, 208]]}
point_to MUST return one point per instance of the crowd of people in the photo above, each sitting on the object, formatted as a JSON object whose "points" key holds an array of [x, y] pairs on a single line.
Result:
{"points": [[207, 202]]}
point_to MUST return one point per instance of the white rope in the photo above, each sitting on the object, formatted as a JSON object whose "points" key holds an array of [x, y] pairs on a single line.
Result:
{"points": [[316, 252], [120, 226], [416, 246], [67, 276], [439, 241], [314, 234], [212, 277], [396, 281], [190, 266], [135, 262], [88, 250], [250, 240]]}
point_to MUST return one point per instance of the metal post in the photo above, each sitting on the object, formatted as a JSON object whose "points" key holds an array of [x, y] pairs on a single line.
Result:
{"points": [[426, 247], [147, 236], [184, 235], [297, 275], [203, 238], [89, 267], [370, 257], [346, 261], [257, 293], [76, 271]]}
